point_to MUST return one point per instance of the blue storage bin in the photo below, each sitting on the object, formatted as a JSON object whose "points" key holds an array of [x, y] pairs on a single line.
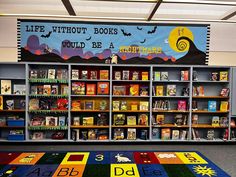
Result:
{"points": [[16, 123], [16, 137]]}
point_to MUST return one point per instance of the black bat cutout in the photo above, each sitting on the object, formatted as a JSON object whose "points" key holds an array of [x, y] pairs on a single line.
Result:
{"points": [[125, 34], [46, 35], [143, 41], [153, 31], [139, 28], [89, 38]]}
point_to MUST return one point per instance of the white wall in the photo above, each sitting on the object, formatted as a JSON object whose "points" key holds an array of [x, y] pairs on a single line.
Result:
{"points": [[222, 42]]}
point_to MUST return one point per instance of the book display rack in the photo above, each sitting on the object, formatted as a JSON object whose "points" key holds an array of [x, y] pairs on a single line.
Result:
{"points": [[53, 102]]}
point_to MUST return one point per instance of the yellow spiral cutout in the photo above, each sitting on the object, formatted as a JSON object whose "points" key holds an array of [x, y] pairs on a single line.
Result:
{"points": [[175, 34]]}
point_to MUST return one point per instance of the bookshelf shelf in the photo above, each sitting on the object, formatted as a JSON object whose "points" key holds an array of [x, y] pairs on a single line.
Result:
{"points": [[89, 126], [72, 96]]}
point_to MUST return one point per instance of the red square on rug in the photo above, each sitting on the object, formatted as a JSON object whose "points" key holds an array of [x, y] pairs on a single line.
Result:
{"points": [[77, 157]]}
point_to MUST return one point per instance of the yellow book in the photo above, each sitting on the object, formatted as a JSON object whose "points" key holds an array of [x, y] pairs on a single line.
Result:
{"points": [[1, 102], [223, 75], [131, 120], [143, 105], [224, 106], [144, 76], [159, 90], [88, 121]]}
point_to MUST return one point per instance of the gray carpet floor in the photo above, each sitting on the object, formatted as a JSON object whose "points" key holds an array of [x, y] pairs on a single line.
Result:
{"points": [[222, 155]]}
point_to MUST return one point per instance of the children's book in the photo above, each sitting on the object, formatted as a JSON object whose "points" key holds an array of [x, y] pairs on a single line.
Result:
{"points": [[93, 75], [159, 90], [125, 75], [143, 119], [131, 134], [19, 89], [51, 74], [156, 133], [182, 105], [224, 106], [215, 121], [78, 88], [171, 90], [143, 90], [117, 75], [184, 75], [160, 119], [102, 88], [212, 106], [104, 74], [5, 87], [165, 133], [175, 134], [145, 76], [143, 105], [164, 76], [135, 75], [90, 89], [131, 120], [84, 74], [134, 90], [116, 105], [119, 90], [157, 75], [223, 75], [75, 74]]}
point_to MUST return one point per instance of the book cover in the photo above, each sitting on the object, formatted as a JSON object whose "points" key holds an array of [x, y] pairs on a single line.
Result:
{"points": [[194, 119], [134, 106], [194, 105], [131, 134], [37, 121], [134, 90], [65, 90], [10, 105], [156, 133], [125, 75], [195, 75], [84, 74], [215, 122], [224, 106], [103, 105], [157, 75], [89, 105], [19, 89], [119, 119], [142, 119], [51, 121], [144, 90], [212, 106], [214, 76], [76, 121], [33, 104], [164, 76], [51, 74], [88, 120], [131, 120], [47, 89], [33, 90], [102, 119], [1, 102], [224, 122], [185, 91], [38, 135], [159, 90], [64, 74], [75, 74], [93, 75], [160, 119], [40, 89], [78, 88], [59, 74], [171, 90], [165, 133], [144, 76], [54, 90], [103, 134], [75, 105], [42, 74], [210, 134], [175, 134], [33, 74], [117, 75], [92, 134], [182, 105], [5, 87], [223, 75], [200, 91], [143, 134], [184, 75], [183, 134], [75, 135], [103, 88], [62, 104], [224, 92], [61, 120], [180, 119], [22, 104], [135, 75], [104, 74], [116, 105], [90, 89], [119, 134], [123, 105], [143, 105], [119, 90]]}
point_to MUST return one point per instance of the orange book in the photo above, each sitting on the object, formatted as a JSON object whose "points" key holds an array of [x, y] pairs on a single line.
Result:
{"points": [[134, 90], [103, 88], [104, 74], [144, 76], [90, 89]]}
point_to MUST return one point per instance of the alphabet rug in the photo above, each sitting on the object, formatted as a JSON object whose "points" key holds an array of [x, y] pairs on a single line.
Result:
{"points": [[107, 164]]}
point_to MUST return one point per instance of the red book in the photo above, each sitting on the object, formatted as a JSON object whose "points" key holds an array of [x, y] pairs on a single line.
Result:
{"points": [[90, 89], [182, 106]]}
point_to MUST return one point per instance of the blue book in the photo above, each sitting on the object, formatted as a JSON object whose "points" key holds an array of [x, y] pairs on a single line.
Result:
{"points": [[212, 106], [156, 133]]}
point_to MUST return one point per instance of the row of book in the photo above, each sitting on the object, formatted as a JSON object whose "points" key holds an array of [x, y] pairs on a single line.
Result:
{"points": [[179, 119], [4, 120], [199, 91], [77, 74], [48, 104], [122, 119], [42, 135], [48, 121], [82, 88], [131, 89], [119, 134], [168, 134], [168, 90], [101, 119], [11, 104], [213, 76], [133, 106], [49, 89], [164, 105], [78, 105], [90, 134], [212, 106], [6, 88], [61, 74], [131, 75], [164, 75]]}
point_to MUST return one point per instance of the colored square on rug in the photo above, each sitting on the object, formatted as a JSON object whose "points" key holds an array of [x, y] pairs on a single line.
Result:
{"points": [[108, 164]]}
